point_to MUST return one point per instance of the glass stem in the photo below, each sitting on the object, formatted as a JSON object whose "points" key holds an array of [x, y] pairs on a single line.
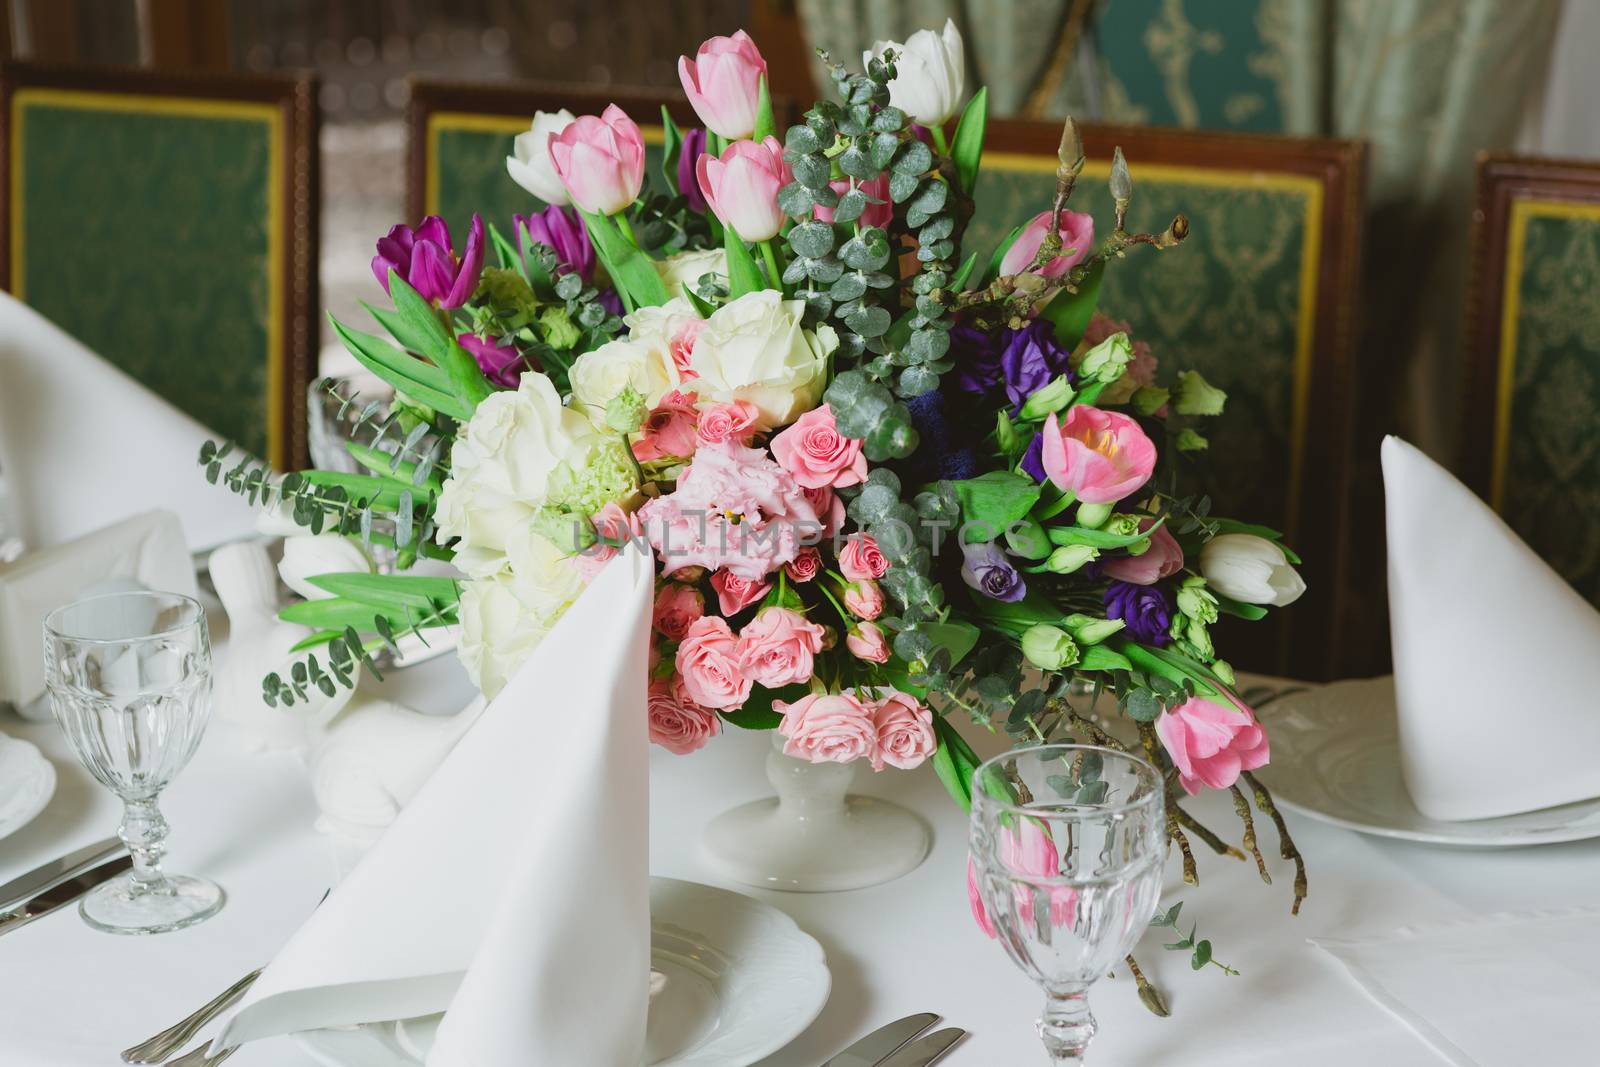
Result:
{"points": [[144, 831], [1066, 1025]]}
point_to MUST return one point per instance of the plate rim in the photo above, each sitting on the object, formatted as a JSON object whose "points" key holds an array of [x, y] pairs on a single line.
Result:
{"points": [[46, 793]]}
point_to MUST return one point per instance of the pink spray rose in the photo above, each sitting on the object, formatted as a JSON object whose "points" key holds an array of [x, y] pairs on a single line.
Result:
{"points": [[723, 83], [905, 729], [827, 728], [677, 723], [1102, 456], [733, 421], [1077, 241], [829, 509], [864, 599], [600, 160], [879, 214], [669, 430], [614, 528], [742, 187], [866, 641], [708, 660], [776, 648], [861, 558], [1161, 560], [734, 593], [817, 455], [677, 606], [1211, 743], [805, 566]]}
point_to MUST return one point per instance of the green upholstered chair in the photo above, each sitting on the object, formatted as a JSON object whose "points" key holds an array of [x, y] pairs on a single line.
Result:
{"points": [[169, 223], [1530, 444], [1259, 298]]}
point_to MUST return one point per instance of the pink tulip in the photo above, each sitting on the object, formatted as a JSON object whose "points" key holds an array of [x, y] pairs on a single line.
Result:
{"points": [[600, 160], [1211, 743], [1102, 456], [1161, 560], [742, 187], [723, 83], [879, 214], [1077, 238]]}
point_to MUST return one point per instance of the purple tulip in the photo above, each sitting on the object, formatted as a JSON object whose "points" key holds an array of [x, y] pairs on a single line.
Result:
{"points": [[694, 146], [1030, 360], [562, 230], [426, 258], [502, 364], [987, 570], [1144, 608]]}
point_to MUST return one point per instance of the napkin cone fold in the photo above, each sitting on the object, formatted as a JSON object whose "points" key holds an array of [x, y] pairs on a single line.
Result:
{"points": [[1496, 658], [514, 889]]}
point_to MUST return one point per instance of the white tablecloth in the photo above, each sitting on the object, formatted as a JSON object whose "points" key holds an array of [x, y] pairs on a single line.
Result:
{"points": [[70, 996]]}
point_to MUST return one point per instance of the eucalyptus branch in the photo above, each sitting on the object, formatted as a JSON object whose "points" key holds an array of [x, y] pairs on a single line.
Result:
{"points": [[1286, 845], [1242, 806]]}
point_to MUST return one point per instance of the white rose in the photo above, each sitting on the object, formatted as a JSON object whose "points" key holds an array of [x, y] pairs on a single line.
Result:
{"points": [[687, 268], [1251, 570], [498, 633], [544, 576], [754, 349], [600, 375], [308, 556], [930, 72], [530, 165]]}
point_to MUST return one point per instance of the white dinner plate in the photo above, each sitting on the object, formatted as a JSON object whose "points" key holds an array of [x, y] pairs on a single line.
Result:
{"points": [[742, 981], [27, 782], [1336, 757]]}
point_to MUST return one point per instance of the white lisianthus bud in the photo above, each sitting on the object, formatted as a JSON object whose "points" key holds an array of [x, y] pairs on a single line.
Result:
{"points": [[1251, 570], [930, 73], [307, 557], [529, 164]]}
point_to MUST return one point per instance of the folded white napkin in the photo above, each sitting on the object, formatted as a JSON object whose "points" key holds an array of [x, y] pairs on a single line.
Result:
{"points": [[1493, 655], [1502, 991], [144, 552], [82, 444], [514, 889]]}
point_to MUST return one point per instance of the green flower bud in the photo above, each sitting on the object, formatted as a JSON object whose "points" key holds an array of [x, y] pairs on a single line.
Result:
{"points": [[625, 412], [1106, 361], [567, 530], [1069, 558], [1196, 396], [1195, 601], [1088, 630], [1028, 540], [558, 329], [1223, 670], [1123, 525], [1193, 636], [1093, 516], [1139, 547], [1053, 397], [1049, 648]]}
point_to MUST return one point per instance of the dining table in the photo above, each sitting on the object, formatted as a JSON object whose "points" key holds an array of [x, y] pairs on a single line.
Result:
{"points": [[71, 996]]}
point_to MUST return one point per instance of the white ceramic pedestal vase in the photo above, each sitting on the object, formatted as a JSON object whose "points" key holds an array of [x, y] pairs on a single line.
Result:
{"points": [[814, 837]]}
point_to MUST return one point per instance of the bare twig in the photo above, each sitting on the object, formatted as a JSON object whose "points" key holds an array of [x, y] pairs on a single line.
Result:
{"points": [[1149, 994], [1286, 843], [1216, 844], [1242, 806]]}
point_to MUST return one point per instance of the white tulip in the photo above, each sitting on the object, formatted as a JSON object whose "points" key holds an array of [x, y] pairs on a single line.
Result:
{"points": [[530, 166], [306, 557], [687, 268], [754, 349], [1251, 570], [930, 72]]}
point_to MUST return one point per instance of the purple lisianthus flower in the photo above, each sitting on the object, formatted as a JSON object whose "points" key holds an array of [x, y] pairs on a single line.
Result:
{"points": [[608, 299], [1144, 608], [426, 258], [694, 146], [944, 452], [987, 570], [563, 231], [1033, 459], [1030, 360], [502, 364], [977, 356]]}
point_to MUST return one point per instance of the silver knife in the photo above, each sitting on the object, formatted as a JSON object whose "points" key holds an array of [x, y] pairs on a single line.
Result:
{"points": [[52, 874], [926, 1050], [882, 1042], [61, 894]]}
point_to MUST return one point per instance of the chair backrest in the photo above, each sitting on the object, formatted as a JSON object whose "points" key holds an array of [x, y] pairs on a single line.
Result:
{"points": [[1260, 299], [169, 223], [1529, 444]]}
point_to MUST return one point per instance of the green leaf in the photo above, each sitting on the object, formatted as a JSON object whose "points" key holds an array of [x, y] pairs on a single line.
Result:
{"points": [[743, 274], [758, 713], [954, 762], [383, 465], [633, 272], [996, 499], [1171, 665], [1070, 312], [999, 254], [966, 148], [1196, 396], [416, 378], [510, 258], [965, 272], [392, 321], [1100, 658], [1082, 535], [1202, 955], [331, 615], [390, 590], [419, 320], [956, 637], [765, 127], [380, 493], [1143, 705], [1239, 608], [672, 147], [1016, 618]]}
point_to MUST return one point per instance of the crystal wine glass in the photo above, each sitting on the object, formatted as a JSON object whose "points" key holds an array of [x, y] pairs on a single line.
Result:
{"points": [[129, 676], [1067, 849]]}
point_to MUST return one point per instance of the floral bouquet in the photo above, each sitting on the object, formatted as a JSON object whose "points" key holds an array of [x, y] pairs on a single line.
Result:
{"points": [[888, 481]]}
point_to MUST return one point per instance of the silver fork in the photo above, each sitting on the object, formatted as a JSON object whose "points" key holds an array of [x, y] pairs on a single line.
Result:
{"points": [[174, 1037]]}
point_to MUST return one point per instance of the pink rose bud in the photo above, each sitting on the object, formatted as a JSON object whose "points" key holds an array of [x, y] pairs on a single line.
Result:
{"points": [[677, 723], [733, 421], [600, 160], [1101, 456], [827, 728], [723, 83], [708, 660], [777, 647], [817, 455], [613, 528], [1161, 560], [866, 641], [862, 558], [864, 599], [1077, 241], [676, 608], [681, 347], [734, 593], [805, 566], [670, 430], [905, 729], [742, 187], [879, 214], [1210, 743]]}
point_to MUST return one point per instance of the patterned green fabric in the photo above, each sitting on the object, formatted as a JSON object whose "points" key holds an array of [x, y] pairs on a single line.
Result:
{"points": [[146, 237], [1226, 303], [1550, 490]]}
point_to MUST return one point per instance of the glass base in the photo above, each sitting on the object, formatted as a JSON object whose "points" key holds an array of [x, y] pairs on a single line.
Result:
{"points": [[119, 907]]}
